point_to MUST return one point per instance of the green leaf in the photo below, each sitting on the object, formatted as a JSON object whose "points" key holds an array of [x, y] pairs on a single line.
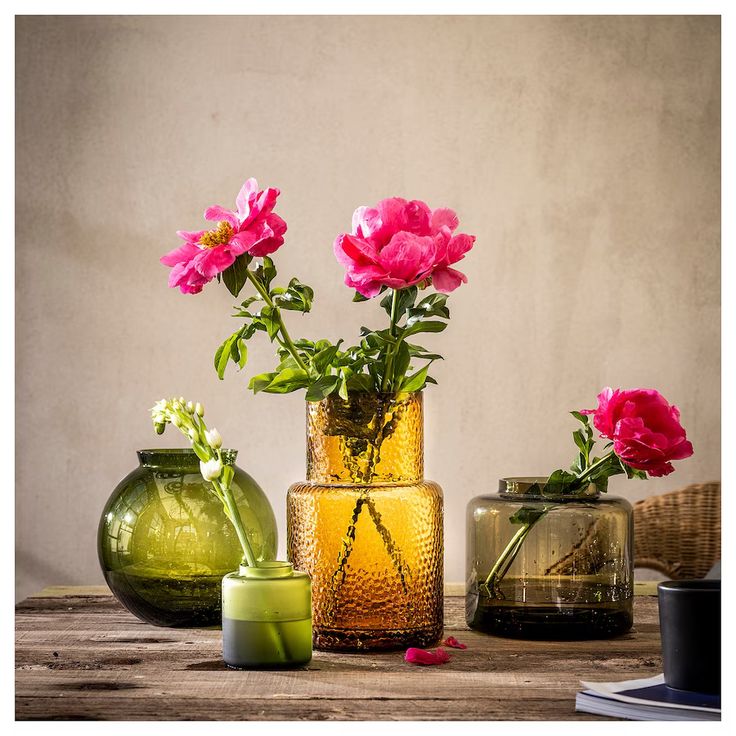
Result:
{"points": [[288, 380], [358, 297], [259, 382], [322, 387], [433, 305], [372, 340], [528, 515], [242, 310], [324, 358], [222, 356], [580, 441], [288, 361], [271, 321], [235, 275], [416, 381], [634, 472], [560, 482], [361, 382], [580, 417], [601, 483], [239, 352], [266, 272], [201, 452], [404, 300], [425, 326], [297, 297], [417, 351], [243, 348], [402, 359]]}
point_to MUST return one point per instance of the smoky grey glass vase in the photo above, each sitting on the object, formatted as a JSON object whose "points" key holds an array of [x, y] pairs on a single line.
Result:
{"points": [[549, 566]]}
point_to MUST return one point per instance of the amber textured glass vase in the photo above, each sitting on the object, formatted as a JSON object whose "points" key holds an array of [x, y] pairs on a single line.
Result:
{"points": [[366, 525]]}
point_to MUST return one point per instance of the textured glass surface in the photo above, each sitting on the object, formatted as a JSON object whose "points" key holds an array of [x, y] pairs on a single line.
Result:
{"points": [[572, 576], [164, 542], [371, 438], [373, 548], [266, 617]]}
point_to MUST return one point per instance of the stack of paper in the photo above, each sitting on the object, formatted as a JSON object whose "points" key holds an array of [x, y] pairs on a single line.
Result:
{"points": [[647, 700]]}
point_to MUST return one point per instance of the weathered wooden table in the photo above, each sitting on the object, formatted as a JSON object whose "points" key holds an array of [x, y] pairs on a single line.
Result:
{"points": [[81, 655]]}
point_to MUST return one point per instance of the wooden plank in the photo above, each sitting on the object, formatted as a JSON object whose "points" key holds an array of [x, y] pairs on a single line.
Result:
{"points": [[451, 589], [80, 655]]}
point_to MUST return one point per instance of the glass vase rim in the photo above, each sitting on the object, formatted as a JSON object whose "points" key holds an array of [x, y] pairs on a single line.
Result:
{"points": [[524, 486], [267, 570], [178, 457], [378, 394]]}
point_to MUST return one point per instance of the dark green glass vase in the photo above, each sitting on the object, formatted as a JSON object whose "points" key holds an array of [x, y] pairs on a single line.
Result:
{"points": [[164, 542]]}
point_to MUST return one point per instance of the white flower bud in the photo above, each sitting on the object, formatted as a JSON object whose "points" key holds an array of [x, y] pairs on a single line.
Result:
{"points": [[190, 407], [199, 409], [213, 437], [175, 420], [193, 436], [211, 470]]}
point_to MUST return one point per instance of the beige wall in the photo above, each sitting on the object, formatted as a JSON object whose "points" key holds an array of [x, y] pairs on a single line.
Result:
{"points": [[582, 152]]}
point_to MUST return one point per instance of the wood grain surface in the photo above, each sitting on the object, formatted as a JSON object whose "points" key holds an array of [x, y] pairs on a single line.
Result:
{"points": [[81, 656]]}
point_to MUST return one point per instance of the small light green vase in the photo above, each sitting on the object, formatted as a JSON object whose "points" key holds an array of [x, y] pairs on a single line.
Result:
{"points": [[164, 542], [266, 617]]}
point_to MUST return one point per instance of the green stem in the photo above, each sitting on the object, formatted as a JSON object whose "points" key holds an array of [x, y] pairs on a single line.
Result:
{"points": [[237, 521], [595, 466], [288, 343], [507, 557], [386, 383]]}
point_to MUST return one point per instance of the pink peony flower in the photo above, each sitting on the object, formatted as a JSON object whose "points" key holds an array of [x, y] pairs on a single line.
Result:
{"points": [[426, 657], [251, 228], [400, 243], [451, 641], [645, 429]]}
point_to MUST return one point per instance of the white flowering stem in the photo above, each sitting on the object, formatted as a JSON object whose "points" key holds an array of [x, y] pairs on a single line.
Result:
{"points": [[233, 513], [188, 419]]}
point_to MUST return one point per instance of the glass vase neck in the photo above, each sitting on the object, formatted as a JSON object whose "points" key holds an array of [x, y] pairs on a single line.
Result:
{"points": [[183, 459], [368, 439], [531, 487], [267, 570]]}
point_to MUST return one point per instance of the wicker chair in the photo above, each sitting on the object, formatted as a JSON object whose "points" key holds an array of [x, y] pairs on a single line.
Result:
{"points": [[679, 533]]}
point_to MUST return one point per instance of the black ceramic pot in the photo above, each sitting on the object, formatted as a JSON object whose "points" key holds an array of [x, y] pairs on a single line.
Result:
{"points": [[690, 621]]}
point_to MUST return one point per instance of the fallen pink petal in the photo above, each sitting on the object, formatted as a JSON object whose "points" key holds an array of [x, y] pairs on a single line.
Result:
{"points": [[426, 657], [451, 641]]}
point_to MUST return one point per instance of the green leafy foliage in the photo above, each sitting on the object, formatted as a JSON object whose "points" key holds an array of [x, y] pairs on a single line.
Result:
{"points": [[587, 469], [383, 360], [296, 296]]}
